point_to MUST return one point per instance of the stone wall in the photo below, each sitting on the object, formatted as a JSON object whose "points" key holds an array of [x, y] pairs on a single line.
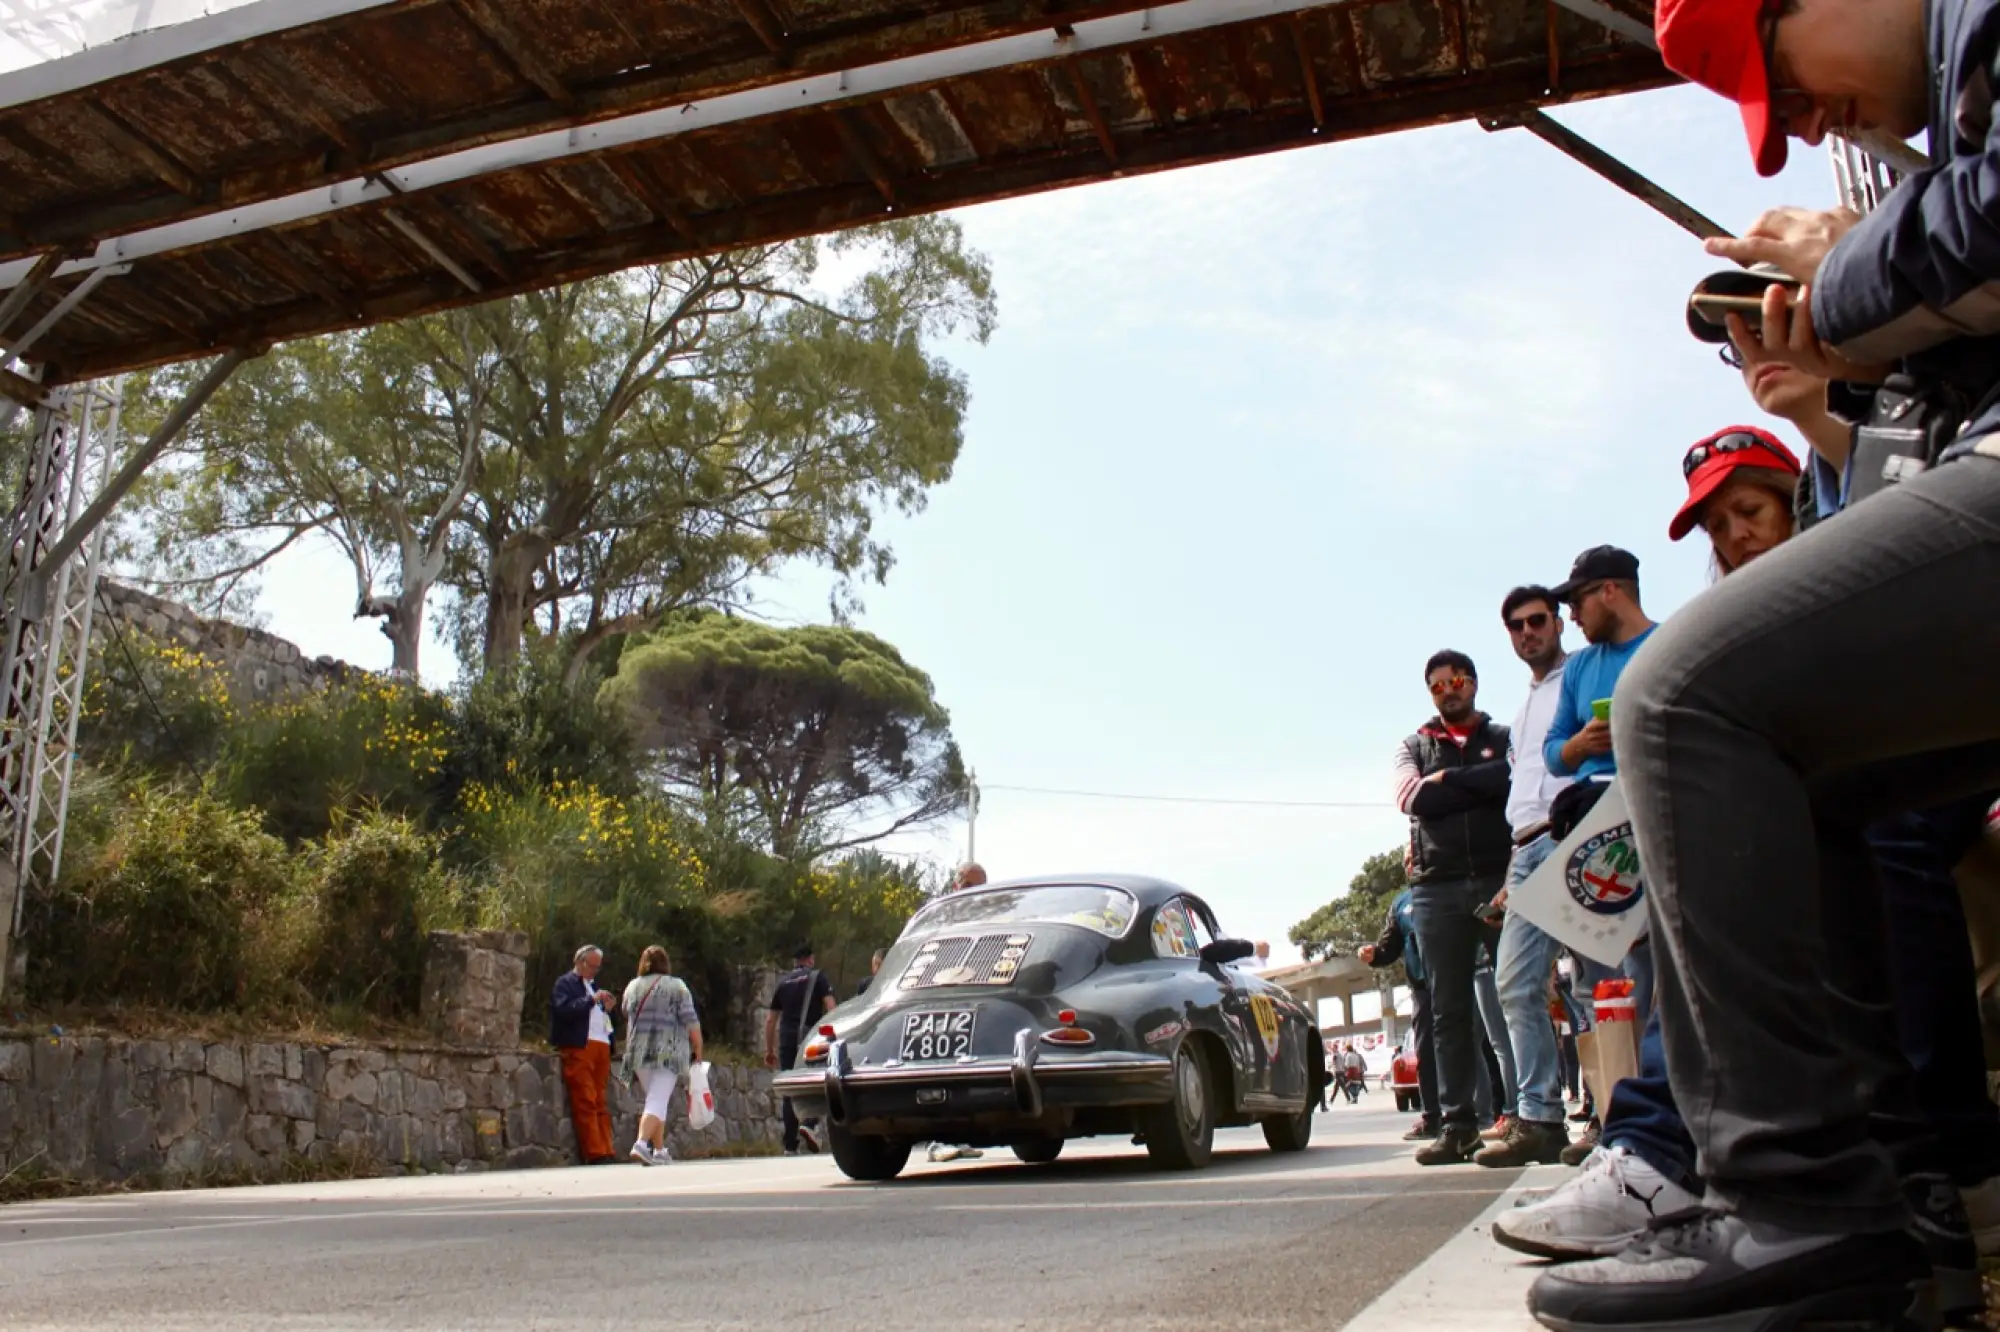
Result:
{"points": [[260, 665], [474, 982], [112, 1107]]}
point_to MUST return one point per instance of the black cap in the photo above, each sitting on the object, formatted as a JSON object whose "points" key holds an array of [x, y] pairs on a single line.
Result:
{"points": [[1599, 564], [802, 952]]}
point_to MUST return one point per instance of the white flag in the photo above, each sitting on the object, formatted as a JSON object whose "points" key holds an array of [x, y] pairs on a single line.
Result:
{"points": [[1589, 894]]}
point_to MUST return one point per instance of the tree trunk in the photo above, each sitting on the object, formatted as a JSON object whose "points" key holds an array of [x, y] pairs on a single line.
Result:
{"points": [[510, 580]]}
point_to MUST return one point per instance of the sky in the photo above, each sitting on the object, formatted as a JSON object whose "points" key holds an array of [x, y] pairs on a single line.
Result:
{"points": [[1250, 443]]}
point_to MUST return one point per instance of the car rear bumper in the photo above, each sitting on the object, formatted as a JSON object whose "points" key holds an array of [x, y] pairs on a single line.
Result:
{"points": [[1027, 1086]]}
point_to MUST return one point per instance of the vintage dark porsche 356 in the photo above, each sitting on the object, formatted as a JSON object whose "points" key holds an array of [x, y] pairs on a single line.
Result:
{"points": [[1026, 1013]]}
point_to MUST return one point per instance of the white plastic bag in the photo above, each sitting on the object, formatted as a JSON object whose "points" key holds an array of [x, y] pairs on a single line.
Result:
{"points": [[701, 1101]]}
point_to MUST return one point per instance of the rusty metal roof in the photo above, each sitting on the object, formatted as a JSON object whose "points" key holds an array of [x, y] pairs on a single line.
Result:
{"points": [[415, 154]]}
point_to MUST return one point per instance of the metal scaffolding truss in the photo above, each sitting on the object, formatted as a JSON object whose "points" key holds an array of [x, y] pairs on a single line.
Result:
{"points": [[46, 647]]}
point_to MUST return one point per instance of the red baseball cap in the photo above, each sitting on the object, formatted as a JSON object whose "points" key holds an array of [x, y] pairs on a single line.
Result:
{"points": [[1714, 460], [1717, 43]]}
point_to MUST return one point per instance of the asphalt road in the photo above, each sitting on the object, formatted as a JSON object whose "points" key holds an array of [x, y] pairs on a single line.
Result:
{"points": [[1098, 1239]]}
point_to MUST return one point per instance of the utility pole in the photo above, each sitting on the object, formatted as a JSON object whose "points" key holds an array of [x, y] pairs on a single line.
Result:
{"points": [[972, 817]]}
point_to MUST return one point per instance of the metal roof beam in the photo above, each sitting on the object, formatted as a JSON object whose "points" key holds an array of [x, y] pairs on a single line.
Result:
{"points": [[151, 47], [1569, 142], [860, 84]]}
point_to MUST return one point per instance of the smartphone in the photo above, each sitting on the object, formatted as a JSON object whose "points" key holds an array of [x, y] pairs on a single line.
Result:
{"points": [[1715, 307]]}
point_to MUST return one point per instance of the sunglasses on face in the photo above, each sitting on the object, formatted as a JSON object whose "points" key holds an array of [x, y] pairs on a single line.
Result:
{"points": [[1522, 623], [1583, 594], [1456, 682], [1734, 442]]}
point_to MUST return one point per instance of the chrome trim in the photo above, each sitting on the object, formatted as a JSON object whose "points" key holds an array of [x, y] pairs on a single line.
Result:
{"points": [[1027, 1091], [808, 1082], [834, 1080]]}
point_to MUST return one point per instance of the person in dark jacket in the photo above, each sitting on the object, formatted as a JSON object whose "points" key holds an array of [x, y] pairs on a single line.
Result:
{"points": [[1795, 702], [1451, 779], [580, 1030], [1399, 944]]}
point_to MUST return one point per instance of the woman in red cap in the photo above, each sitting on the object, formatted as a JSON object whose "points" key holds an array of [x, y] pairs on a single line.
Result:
{"points": [[1740, 487]]}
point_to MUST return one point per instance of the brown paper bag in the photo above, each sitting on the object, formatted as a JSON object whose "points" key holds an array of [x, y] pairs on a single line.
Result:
{"points": [[1586, 1059]]}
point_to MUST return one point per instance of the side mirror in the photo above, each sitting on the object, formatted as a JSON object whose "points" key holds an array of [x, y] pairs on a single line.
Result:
{"points": [[1224, 951]]}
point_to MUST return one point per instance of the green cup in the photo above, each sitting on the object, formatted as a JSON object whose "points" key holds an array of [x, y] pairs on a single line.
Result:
{"points": [[1600, 708]]}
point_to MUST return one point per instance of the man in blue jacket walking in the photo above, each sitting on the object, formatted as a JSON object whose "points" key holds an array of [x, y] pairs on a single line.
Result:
{"points": [[1811, 693]]}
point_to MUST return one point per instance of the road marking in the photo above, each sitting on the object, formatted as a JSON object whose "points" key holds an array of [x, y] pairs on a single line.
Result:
{"points": [[1470, 1284]]}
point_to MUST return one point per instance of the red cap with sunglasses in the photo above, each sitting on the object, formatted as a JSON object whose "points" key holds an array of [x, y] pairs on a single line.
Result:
{"points": [[1720, 45], [1715, 459]]}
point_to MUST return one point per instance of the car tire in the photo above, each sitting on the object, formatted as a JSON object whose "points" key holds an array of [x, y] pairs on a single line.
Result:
{"points": [[1288, 1133], [1038, 1150], [869, 1159], [1180, 1135]]}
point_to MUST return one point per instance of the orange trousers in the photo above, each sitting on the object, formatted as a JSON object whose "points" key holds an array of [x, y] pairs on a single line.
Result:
{"points": [[586, 1073]]}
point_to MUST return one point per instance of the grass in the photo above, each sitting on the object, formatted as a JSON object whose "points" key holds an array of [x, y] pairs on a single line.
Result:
{"points": [[33, 1181], [303, 1025]]}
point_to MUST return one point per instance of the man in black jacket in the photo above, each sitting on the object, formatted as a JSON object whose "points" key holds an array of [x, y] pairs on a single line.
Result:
{"points": [[1451, 779]]}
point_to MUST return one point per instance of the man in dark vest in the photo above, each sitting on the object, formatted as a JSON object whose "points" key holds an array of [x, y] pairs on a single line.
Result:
{"points": [[1451, 779]]}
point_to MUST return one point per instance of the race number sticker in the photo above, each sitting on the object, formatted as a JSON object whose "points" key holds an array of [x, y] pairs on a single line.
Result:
{"points": [[1266, 1014]]}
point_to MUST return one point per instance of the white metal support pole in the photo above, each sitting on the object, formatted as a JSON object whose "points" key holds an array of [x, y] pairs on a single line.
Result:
{"points": [[36, 523], [972, 816]]}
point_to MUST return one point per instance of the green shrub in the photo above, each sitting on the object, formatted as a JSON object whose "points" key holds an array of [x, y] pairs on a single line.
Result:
{"points": [[525, 727], [373, 890], [367, 741], [169, 908]]}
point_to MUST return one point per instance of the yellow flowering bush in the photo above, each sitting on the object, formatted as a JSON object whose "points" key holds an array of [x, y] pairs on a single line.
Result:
{"points": [[154, 704], [366, 740]]}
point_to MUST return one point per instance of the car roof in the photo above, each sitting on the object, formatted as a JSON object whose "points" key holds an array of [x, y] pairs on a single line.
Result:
{"points": [[1149, 891]]}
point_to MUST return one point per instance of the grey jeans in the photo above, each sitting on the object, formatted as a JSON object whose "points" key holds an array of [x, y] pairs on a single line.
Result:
{"points": [[1450, 935], [1846, 675]]}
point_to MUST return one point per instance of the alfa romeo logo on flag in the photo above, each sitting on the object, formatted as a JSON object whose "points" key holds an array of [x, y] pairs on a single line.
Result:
{"points": [[1603, 873]]}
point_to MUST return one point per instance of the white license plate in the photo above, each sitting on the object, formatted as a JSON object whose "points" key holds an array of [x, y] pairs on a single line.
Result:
{"points": [[936, 1035]]}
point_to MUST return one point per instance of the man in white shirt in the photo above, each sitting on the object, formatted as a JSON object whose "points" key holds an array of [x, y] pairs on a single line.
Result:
{"points": [[1537, 1133]]}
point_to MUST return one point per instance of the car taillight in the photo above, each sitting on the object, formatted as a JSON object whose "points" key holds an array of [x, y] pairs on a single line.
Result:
{"points": [[816, 1051], [1068, 1036], [826, 1030], [1067, 1017]]}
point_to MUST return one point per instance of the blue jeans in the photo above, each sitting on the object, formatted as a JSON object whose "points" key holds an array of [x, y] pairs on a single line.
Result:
{"points": [[1527, 959], [1499, 1060]]}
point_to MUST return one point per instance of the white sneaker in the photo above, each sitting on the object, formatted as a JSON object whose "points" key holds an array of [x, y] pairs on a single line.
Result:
{"points": [[1982, 1208], [642, 1154], [1599, 1211], [661, 1156]]}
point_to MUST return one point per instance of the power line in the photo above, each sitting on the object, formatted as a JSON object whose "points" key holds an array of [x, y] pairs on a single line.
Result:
{"points": [[1189, 800]]}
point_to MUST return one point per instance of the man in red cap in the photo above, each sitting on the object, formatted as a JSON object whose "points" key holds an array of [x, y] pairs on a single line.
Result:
{"points": [[1801, 699]]}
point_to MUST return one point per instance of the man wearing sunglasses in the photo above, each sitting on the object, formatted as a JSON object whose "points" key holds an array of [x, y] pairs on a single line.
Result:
{"points": [[1451, 779], [1602, 594], [1527, 956]]}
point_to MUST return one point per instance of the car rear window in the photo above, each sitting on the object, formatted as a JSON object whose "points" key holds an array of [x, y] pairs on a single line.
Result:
{"points": [[1106, 910]]}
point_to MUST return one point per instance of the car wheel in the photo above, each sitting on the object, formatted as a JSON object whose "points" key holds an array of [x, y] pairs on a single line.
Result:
{"points": [[1289, 1133], [1038, 1150], [870, 1159], [1180, 1135]]}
